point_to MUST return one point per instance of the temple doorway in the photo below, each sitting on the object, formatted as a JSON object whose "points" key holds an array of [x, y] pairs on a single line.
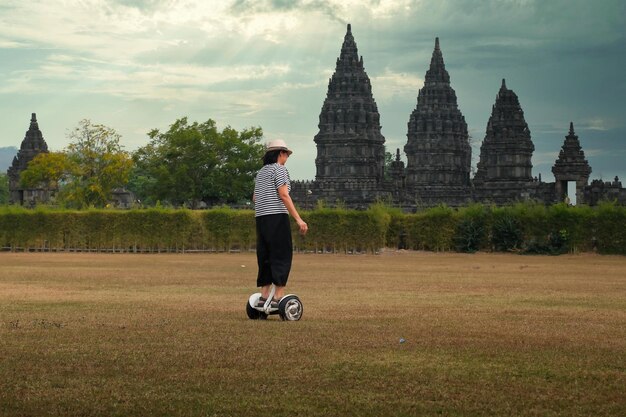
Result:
{"points": [[571, 193]]}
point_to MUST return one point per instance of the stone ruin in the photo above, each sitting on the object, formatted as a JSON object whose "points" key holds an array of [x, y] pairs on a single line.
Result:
{"points": [[350, 150], [32, 145]]}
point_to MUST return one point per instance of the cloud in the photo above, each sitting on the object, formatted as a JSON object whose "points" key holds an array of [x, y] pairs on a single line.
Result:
{"points": [[264, 7], [596, 123], [167, 82], [109, 30], [390, 85], [10, 44]]}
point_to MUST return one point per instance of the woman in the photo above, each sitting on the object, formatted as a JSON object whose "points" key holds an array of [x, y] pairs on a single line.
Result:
{"points": [[272, 206]]}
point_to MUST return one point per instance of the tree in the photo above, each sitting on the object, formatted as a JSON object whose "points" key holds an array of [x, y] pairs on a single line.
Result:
{"points": [[86, 173], [4, 188], [388, 160], [46, 170], [195, 162]]}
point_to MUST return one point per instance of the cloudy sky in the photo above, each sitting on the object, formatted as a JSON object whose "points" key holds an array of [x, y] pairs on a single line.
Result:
{"points": [[135, 65]]}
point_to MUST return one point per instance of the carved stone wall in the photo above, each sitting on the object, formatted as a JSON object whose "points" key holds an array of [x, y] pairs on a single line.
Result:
{"points": [[600, 190]]}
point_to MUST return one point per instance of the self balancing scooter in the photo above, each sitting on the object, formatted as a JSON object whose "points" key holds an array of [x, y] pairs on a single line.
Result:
{"points": [[289, 307]]}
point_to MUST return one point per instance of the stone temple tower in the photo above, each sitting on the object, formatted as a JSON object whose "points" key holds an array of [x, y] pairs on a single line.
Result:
{"points": [[32, 145], [349, 143], [504, 171], [571, 166], [438, 150], [350, 147]]}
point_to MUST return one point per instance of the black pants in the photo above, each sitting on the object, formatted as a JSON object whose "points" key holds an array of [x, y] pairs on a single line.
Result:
{"points": [[274, 249]]}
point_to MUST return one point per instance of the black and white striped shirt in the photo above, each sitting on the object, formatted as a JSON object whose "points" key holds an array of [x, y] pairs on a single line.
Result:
{"points": [[268, 180]]}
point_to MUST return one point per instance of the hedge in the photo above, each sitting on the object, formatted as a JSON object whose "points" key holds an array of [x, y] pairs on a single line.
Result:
{"points": [[169, 230], [522, 228]]}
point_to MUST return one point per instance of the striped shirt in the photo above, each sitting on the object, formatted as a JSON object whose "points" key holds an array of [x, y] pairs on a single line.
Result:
{"points": [[268, 180]]}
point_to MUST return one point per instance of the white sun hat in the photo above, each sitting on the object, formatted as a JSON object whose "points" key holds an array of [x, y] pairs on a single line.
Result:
{"points": [[277, 144]]}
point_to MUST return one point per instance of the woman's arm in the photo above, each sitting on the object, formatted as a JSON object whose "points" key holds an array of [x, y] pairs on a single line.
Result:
{"points": [[283, 193]]}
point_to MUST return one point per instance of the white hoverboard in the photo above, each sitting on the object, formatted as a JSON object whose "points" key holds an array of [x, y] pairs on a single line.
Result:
{"points": [[289, 307]]}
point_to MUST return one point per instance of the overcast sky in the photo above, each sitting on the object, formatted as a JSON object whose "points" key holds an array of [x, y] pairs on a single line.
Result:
{"points": [[136, 65]]}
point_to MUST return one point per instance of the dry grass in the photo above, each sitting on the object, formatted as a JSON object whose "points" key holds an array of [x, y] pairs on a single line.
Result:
{"points": [[167, 335]]}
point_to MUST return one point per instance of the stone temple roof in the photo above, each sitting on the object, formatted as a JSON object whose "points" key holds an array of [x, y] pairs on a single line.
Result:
{"points": [[32, 145], [437, 72], [33, 140]]}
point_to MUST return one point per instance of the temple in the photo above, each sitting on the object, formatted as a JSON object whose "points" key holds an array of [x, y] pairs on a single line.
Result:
{"points": [[504, 171], [350, 150], [32, 145], [438, 150], [350, 159]]}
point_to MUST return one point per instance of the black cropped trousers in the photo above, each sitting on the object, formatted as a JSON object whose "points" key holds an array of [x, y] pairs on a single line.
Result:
{"points": [[274, 249]]}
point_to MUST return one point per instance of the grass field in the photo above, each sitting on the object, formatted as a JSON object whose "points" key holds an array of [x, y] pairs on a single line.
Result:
{"points": [[167, 335]]}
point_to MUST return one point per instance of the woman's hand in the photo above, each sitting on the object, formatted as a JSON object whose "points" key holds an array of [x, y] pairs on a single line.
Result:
{"points": [[303, 227]]}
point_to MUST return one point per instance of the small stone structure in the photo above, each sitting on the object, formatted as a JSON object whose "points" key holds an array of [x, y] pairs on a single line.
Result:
{"points": [[122, 198], [571, 166]]}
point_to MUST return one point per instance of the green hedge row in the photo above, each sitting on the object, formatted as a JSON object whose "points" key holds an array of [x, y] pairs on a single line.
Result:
{"points": [[167, 230], [524, 228], [341, 230], [150, 230]]}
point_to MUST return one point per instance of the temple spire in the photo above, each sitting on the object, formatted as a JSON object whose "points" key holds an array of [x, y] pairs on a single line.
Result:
{"points": [[571, 128], [349, 50], [437, 71], [33, 121], [503, 87], [33, 139]]}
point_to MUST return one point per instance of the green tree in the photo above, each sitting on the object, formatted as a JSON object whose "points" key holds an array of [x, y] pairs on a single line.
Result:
{"points": [[195, 162], [4, 188], [388, 160], [46, 170], [86, 173]]}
